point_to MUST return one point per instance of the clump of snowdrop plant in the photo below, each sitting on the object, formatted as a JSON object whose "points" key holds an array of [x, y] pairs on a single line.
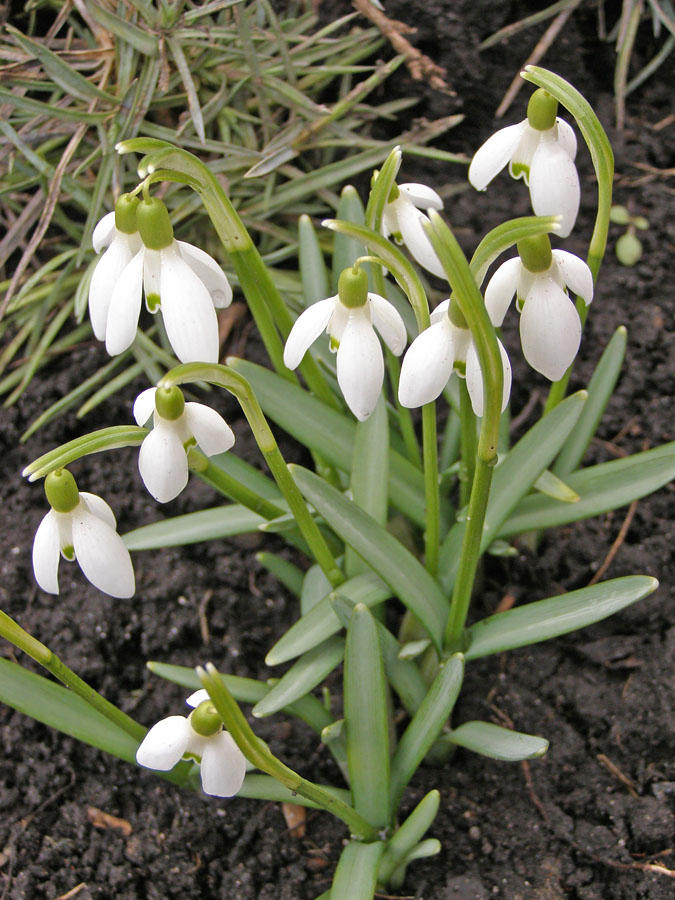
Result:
{"points": [[375, 461]]}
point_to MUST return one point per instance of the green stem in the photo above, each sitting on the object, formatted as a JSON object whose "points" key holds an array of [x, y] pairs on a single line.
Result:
{"points": [[261, 757], [404, 415], [231, 487], [468, 444], [432, 531], [16, 635]]}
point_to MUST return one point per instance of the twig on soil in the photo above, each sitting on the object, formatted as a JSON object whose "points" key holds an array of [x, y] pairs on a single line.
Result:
{"points": [[525, 412], [73, 892], [618, 774], [420, 66], [614, 549], [536, 802], [203, 621]]}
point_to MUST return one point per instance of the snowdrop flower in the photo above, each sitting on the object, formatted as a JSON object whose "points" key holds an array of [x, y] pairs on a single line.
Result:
{"points": [[438, 351], [186, 283], [541, 150], [80, 526], [348, 317], [178, 425], [550, 328], [200, 736], [403, 219]]}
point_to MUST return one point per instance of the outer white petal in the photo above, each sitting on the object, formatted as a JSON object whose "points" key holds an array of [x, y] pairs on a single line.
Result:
{"points": [[210, 430], [208, 270], [103, 232], [575, 274], [360, 367], [223, 766], [410, 223], [440, 311], [125, 307], [422, 196], [567, 138], [550, 329], [198, 697], [427, 365], [162, 463], [188, 311], [47, 553], [165, 743], [99, 508], [308, 326], [501, 288], [474, 378], [101, 553], [389, 323], [554, 184], [144, 405], [104, 279], [493, 155], [523, 153]]}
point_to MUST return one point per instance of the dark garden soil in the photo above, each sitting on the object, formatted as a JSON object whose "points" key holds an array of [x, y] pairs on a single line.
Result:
{"points": [[595, 818]]}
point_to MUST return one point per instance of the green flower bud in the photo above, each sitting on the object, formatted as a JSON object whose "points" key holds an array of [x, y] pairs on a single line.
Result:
{"points": [[125, 214], [535, 253], [169, 402], [61, 491], [456, 315], [154, 224], [394, 193], [205, 719], [353, 287], [628, 249], [542, 110]]}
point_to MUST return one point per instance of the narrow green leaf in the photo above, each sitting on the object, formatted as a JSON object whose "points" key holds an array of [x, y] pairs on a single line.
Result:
{"points": [[106, 439], [264, 787], [205, 525], [311, 263], [555, 487], [346, 249], [356, 874], [546, 619], [366, 721], [286, 572], [144, 41], [409, 834], [315, 587], [497, 742]]}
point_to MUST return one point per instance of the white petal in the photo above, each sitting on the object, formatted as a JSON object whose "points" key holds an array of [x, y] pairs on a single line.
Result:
{"points": [[104, 279], [523, 153], [360, 367], [493, 155], [152, 268], [198, 697], [101, 553], [421, 196], [104, 232], [427, 365], [47, 553], [165, 743], [144, 405], [210, 430], [474, 378], [440, 311], [210, 273], [410, 223], [567, 138], [308, 326], [223, 766], [501, 288], [98, 507], [554, 184], [575, 274], [550, 329], [188, 312], [125, 307], [389, 323], [162, 463]]}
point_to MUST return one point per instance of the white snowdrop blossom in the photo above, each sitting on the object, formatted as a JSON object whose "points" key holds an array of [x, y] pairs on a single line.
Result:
{"points": [[177, 426], [403, 218], [541, 150], [181, 280], [200, 736], [435, 354], [550, 328], [348, 318], [80, 526]]}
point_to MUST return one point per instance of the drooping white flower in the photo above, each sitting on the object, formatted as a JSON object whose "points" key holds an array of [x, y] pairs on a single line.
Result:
{"points": [[200, 735], [80, 526], [541, 150], [403, 218], [435, 354], [178, 278], [177, 426], [349, 317], [550, 328]]}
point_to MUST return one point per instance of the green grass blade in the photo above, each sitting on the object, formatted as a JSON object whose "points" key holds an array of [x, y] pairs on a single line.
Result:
{"points": [[497, 742]]}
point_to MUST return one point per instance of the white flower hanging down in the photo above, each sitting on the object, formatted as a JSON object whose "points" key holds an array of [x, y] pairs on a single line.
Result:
{"points": [[178, 278], [541, 150], [550, 328], [201, 736], [80, 526], [348, 317], [403, 218], [178, 425], [435, 354]]}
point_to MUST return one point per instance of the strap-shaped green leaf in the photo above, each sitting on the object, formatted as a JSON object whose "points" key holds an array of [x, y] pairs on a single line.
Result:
{"points": [[555, 487], [311, 263], [497, 742], [549, 618], [345, 248], [206, 525], [356, 874], [409, 834], [395, 565], [286, 572]]}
